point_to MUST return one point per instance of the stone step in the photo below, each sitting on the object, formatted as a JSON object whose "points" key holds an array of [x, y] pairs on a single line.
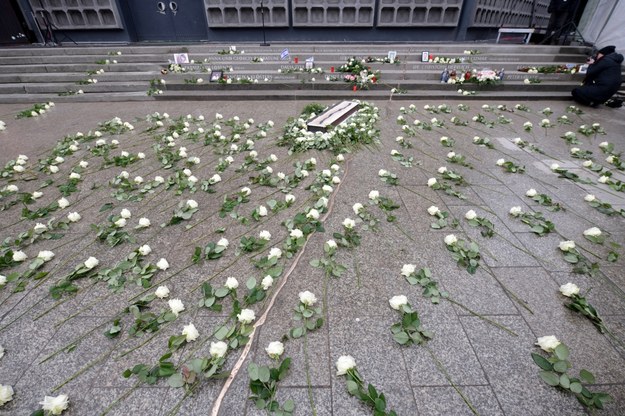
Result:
{"points": [[295, 47], [75, 77], [335, 58], [294, 85], [307, 95], [363, 94], [62, 87]]}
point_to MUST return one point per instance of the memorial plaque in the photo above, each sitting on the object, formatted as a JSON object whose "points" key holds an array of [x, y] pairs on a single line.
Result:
{"points": [[333, 116]]}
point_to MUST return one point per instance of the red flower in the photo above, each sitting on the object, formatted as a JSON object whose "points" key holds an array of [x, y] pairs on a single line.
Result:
{"points": [[354, 88], [374, 79]]}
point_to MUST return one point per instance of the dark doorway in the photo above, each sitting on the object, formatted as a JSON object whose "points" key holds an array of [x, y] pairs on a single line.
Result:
{"points": [[179, 20], [13, 29]]}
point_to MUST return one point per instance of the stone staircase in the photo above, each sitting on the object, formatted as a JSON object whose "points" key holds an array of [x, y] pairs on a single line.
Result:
{"points": [[36, 74]]}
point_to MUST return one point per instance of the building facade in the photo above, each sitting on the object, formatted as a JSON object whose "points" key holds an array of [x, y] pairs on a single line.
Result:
{"points": [[281, 20]]}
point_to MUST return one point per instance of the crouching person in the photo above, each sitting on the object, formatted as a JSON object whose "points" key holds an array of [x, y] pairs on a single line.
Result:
{"points": [[603, 78]]}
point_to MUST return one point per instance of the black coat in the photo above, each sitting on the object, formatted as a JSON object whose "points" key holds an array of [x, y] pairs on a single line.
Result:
{"points": [[603, 78]]}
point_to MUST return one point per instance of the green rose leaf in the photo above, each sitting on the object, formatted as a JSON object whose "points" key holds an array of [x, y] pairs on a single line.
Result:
{"points": [[576, 387], [562, 352], [587, 376], [401, 338], [288, 406], [550, 378], [565, 382], [542, 362], [175, 381], [561, 366]]}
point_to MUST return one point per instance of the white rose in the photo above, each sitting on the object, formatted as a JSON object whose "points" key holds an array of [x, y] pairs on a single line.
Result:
{"points": [[162, 264], [267, 282], [45, 255], [433, 210], [296, 233], [349, 223], [289, 198], [470, 215], [218, 349], [327, 188], [408, 269], [397, 302], [73, 216], [603, 179], [340, 157], [275, 349], [592, 232], [548, 343], [574, 150], [162, 292], [373, 195], [451, 155], [141, 155], [231, 283], [603, 145], [246, 191], [589, 198], [450, 239], [55, 405], [442, 169], [176, 306], [12, 188], [63, 203], [53, 169], [264, 235], [331, 244], [344, 364], [190, 332], [39, 227], [555, 166], [357, 207], [139, 180], [223, 242], [275, 252], [125, 213], [3, 280], [531, 192], [37, 194], [191, 204], [517, 140], [587, 163], [500, 162], [120, 222], [567, 245], [19, 255], [145, 249], [307, 298], [144, 222], [516, 211], [313, 214], [336, 180], [246, 316], [91, 262], [83, 164], [569, 289], [432, 182], [262, 211]]}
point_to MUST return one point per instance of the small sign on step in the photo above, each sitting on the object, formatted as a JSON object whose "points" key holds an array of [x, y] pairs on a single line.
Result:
{"points": [[181, 58], [284, 54], [310, 63], [425, 56], [392, 55]]}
